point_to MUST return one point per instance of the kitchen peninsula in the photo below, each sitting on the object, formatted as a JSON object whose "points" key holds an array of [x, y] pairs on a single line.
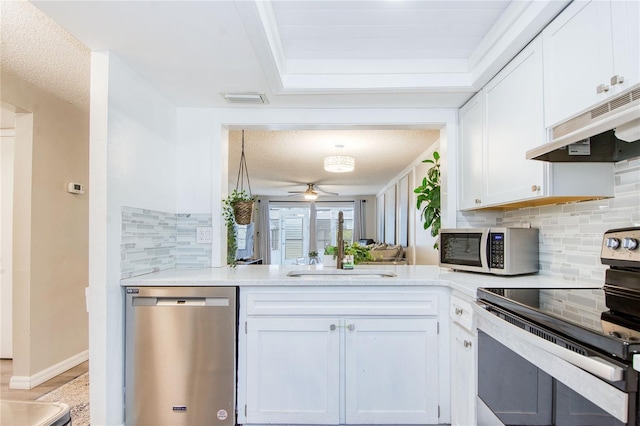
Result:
{"points": [[350, 348]]}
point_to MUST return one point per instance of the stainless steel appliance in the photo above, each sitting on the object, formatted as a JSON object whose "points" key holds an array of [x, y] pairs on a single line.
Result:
{"points": [[500, 251], [596, 330], [180, 363]]}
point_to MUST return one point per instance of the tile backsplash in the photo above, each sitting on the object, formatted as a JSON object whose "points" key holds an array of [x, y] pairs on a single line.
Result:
{"points": [[571, 234], [153, 241]]}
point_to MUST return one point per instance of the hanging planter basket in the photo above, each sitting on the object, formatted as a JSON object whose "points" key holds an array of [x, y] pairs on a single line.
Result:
{"points": [[243, 212], [240, 203]]}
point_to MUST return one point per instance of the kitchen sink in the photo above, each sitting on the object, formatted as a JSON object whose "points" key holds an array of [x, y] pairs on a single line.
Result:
{"points": [[342, 272]]}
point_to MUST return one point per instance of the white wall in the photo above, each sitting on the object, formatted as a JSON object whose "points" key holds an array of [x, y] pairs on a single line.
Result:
{"points": [[6, 232], [133, 163]]}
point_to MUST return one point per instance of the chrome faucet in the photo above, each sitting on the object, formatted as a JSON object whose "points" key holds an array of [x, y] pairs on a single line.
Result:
{"points": [[340, 242]]}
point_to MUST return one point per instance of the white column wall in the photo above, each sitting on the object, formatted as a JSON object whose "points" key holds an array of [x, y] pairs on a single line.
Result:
{"points": [[132, 163]]}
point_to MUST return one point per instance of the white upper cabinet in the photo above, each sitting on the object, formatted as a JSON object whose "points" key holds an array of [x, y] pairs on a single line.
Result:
{"points": [[498, 126], [513, 124], [591, 51], [470, 167]]}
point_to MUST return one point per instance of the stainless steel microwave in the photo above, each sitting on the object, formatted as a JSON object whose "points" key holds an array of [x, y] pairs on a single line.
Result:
{"points": [[500, 251]]}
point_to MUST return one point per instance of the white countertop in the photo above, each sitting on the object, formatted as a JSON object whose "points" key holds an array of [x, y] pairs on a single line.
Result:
{"points": [[407, 275]]}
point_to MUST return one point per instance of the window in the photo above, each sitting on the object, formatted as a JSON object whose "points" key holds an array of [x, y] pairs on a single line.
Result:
{"points": [[290, 228], [327, 225]]}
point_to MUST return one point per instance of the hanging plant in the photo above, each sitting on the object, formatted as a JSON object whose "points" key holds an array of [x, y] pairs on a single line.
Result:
{"points": [[238, 208], [429, 195], [229, 216]]}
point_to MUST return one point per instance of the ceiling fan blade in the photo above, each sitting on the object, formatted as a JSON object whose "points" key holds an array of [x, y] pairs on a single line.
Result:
{"points": [[318, 189]]}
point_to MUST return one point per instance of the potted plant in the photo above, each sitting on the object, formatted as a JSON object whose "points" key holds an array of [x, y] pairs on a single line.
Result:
{"points": [[429, 195], [230, 211], [329, 257], [359, 252]]}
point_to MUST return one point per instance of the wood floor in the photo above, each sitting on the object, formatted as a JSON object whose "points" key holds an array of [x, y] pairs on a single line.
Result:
{"points": [[6, 371]]}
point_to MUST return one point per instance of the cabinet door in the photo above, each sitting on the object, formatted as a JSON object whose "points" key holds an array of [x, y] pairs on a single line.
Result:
{"points": [[470, 167], [626, 42], [293, 371], [391, 371], [577, 58], [463, 377], [513, 110]]}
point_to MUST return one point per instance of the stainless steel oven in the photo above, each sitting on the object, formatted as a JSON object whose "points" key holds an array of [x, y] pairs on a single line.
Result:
{"points": [[560, 356]]}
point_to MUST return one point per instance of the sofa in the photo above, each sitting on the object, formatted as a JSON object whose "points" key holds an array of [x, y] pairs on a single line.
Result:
{"points": [[386, 254]]}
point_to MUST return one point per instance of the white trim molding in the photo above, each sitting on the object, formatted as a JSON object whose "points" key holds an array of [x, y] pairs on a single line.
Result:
{"points": [[30, 382]]}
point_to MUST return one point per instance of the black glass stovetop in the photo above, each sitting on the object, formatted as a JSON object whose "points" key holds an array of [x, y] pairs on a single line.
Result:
{"points": [[581, 315]]}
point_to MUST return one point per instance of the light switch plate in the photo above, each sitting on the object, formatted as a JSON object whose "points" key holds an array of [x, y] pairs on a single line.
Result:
{"points": [[204, 234]]}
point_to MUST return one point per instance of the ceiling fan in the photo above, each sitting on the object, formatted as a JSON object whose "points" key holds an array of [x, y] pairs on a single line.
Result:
{"points": [[311, 193]]}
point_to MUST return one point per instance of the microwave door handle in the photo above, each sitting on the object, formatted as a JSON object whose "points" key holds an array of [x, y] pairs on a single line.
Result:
{"points": [[484, 254]]}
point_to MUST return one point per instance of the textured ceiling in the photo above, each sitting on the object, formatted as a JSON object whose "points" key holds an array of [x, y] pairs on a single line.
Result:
{"points": [[42, 53], [281, 161]]}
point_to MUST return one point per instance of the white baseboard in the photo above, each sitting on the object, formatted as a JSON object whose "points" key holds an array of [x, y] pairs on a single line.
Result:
{"points": [[30, 382]]}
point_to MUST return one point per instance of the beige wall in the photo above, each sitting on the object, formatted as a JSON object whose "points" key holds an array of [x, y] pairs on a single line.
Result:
{"points": [[50, 227]]}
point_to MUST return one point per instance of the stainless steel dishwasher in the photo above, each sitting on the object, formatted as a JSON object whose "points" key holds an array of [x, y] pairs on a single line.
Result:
{"points": [[180, 363]]}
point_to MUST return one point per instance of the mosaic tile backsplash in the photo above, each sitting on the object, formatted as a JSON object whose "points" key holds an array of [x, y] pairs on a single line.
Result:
{"points": [[571, 234], [152, 241]]}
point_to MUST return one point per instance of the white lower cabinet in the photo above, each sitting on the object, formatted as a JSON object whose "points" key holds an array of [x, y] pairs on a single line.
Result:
{"points": [[391, 371], [352, 358], [293, 370], [463, 377], [463, 363]]}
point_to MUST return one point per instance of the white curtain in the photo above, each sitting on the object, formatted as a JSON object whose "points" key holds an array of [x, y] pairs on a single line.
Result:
{"points": [[264, 232], [359, 225]]}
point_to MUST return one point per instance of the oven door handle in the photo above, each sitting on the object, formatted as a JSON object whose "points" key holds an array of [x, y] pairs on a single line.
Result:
{"points": [[592, 364]]}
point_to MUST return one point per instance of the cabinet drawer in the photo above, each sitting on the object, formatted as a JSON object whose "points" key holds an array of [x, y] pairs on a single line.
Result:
{"points": [[351, 303], [461, 313]]}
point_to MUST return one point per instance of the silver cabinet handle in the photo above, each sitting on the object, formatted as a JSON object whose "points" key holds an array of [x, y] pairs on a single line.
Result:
{"points": [[467, 344], [535, 188], [351, 327], [478, 201], [332, 327], [602, 88], [458, 311], [617, 79]]}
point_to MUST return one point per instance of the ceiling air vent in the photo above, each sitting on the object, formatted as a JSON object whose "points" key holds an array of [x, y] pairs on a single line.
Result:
{"points": [[246, 98]]}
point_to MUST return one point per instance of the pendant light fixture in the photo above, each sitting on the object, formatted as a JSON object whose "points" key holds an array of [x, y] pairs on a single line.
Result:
{"points": [[339, 163]]}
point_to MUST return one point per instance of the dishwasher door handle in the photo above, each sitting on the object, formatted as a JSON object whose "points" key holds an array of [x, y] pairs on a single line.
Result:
{"points": [[180, 301]]}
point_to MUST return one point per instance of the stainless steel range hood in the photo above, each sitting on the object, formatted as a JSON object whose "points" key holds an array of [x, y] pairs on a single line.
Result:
{"points": [[609, 132]]}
